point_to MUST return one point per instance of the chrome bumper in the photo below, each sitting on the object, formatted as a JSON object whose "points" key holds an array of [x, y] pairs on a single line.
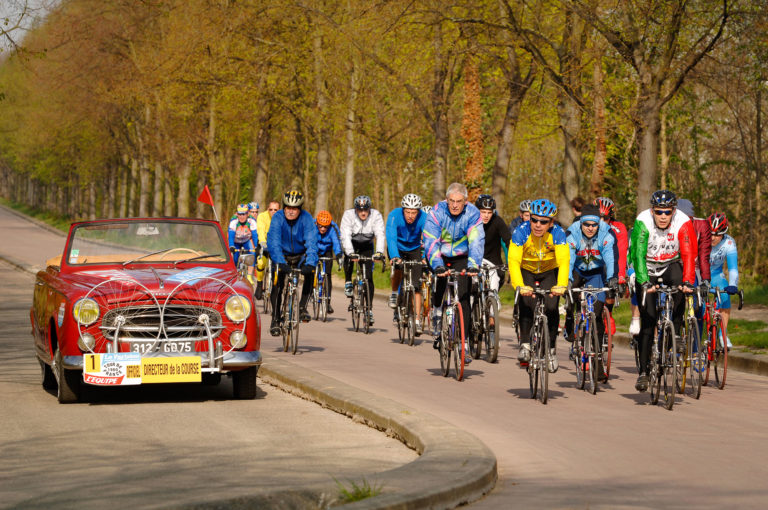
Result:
{"points": [[230, 360]]}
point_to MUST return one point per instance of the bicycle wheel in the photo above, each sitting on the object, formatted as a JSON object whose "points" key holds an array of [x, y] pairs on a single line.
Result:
{"points": [[608, 350], [543, 363], [492, 331], [669, 370], [655, 370], [315, 298], [295, 320], [592, 349], [636, 347], [459, 341], [710, 344], [533, 371], [285, 324], [721, 355], [445, 348], [579, 357], [409, 325], [695, 361], [355, 307], [366, 308], [400, 311], [476, 335], [267, 287]]}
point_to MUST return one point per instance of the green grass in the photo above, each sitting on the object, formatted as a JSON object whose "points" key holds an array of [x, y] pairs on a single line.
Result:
{"points": [[754, 294], [357, 492], [58, 222]]}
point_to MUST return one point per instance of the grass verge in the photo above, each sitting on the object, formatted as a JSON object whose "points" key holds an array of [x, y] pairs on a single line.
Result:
{"points": [[357, 492], [58, 222]]}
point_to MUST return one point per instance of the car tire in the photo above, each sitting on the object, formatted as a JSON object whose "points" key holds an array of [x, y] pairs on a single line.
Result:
{"points": [[68, 381], [244, 383], [48, 379], [211, 379]]}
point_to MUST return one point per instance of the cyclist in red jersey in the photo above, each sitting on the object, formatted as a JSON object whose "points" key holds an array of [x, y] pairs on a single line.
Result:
{"points": [[607, 214]]}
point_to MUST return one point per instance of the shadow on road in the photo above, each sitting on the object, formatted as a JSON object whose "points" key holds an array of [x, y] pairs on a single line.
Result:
{"points": [[525, 393]]}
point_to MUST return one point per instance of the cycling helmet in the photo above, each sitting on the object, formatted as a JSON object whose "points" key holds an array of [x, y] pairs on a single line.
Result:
{"points": [[363, 202], [525, 206], [606, 206], [718, 223], [242, 209], [293, 198], [663, 198], [543, 207], [324, 218], [411, 201], [485, 202], [427, 209], [253, 206]]}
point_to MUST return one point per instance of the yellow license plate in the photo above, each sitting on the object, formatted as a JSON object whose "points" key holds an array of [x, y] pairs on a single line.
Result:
{"points": [[169, 370]]}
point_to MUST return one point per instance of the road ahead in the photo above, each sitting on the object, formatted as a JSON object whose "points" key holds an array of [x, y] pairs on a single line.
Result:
{"points": [[578, 451]]}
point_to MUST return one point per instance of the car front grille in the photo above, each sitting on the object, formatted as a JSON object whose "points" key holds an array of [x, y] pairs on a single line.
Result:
{"points": [[180, 322]]}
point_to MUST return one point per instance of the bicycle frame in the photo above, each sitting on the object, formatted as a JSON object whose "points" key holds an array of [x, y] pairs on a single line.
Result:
{"points": [[451, 325], [663, 357], [320, 298], [405, 303], [717, 347], [589, 355], [361, 304], [290, 311]]}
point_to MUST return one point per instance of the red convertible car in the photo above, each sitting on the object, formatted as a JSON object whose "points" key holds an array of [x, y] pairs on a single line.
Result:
{"points": [[145, 300]]}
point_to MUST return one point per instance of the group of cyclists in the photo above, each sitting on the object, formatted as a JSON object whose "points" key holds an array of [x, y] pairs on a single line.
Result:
{"points": [[668, 245]]}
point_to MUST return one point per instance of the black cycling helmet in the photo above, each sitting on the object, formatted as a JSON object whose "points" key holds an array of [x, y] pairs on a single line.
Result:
{"points": [[485, 202], [663, 198], [363, 202]]}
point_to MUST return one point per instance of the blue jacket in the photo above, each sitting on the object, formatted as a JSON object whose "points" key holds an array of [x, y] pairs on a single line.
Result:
{"points": [[329, 240], [589, 254], [292, 238], [401, 235], [446, 235]]}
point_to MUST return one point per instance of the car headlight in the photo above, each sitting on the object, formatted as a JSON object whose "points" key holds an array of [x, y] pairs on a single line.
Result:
{"points": [[238, 308], [238, 339], [85, 311], [86, 342]]}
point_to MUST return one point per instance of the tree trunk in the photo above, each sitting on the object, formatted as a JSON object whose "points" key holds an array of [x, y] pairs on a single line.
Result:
{"points": [[440, 119], [601, 152], [201, 208], [663, 151], [113, 198], [92, 200], [261, 161], [295, 180], [168, 194], [647, 134], [144, 188], [157, 202], [183, 197], [349, 159], [471, 130], [757, 262], [133, 183], [323, 142]]}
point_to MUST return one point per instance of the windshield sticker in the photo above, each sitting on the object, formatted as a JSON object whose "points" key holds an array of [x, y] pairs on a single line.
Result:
{"points": [[73, 256], [147, 230], [191, 276]]}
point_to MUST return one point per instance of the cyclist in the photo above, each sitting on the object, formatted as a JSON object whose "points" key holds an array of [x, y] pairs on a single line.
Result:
{"points": [[404, 229], [242, 234], [292, 242], [539, 253], [328, 245], [663, 246], [576, 205], [724, 252], [360, 226], [453, 239], [497, 239], [253, 210], [608, 215], [592, 251], [525, 215], [263, 221]]}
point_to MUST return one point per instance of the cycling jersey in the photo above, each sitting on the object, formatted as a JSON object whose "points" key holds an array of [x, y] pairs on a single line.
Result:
{"points": [[290, 238], [704, 243], [242, 233], [451, 236], [514, 224], [362, 232], [497, 240], [591, 254], [725, 253], [538, 255], [654, 250], [329, 240], [402, 236], [263, 221], [622, 247]]}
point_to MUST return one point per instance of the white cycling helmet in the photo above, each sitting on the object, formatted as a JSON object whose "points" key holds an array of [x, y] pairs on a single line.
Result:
{"points": [[411, 201], [427, 209]]}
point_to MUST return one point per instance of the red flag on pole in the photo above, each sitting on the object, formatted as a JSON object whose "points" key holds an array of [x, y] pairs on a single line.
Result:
{"points": [[205, 196]]}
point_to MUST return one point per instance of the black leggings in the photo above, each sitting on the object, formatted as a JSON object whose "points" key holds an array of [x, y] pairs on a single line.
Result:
{"points": [[366, 250], [457, 264], [546, 280], [277, 292], [672, 276]]}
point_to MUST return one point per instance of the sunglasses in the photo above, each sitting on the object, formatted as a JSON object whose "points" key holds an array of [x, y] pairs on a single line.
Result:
{"points": [[665, 212], [590, 225], [242, 213], [543, 222]]}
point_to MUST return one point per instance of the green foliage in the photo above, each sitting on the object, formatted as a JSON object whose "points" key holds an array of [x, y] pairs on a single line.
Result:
{"points": [[357, 492]]}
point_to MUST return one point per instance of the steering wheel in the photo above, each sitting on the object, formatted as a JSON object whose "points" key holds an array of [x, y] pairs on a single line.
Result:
{"points": [[194, 253]]}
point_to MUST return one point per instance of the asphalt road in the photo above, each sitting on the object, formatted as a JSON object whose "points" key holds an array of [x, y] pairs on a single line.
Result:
{"points": [[613, 449], [157, 445]]}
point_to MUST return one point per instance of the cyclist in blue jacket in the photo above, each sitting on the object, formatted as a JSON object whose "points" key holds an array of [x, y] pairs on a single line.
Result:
{"points": [[592, 246], [292, 242], [454, 238], [724, 258], [328, 245], [242, 234], [405, 226]]}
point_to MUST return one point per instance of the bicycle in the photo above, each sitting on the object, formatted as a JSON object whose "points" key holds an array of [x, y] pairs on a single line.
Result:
{"points": [[290, 312], [244, 260], [361, 298], [452, 337], [321, 292], [693, 361], [426, 297], [664, 358], [717, 340], [484, 311], [268, 283], [538, 366], [589, 354], [405, 299]]}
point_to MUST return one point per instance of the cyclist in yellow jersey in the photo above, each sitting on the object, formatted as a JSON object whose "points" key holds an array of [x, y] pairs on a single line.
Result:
{"points": [[539, 253], [263, 221]]}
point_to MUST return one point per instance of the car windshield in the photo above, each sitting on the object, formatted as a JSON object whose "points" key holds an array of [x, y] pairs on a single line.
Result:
{"points": [[156, 241]]}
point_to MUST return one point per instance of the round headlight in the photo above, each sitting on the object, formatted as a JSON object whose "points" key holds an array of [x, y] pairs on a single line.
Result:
{"points": [[238, 339], [86, 342], [85, 311], [238, 308]]}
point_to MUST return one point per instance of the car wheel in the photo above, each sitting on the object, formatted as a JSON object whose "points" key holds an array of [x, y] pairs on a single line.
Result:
{"points": [[244, 383], [68, 381], [48, 379], [211, 379]]}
